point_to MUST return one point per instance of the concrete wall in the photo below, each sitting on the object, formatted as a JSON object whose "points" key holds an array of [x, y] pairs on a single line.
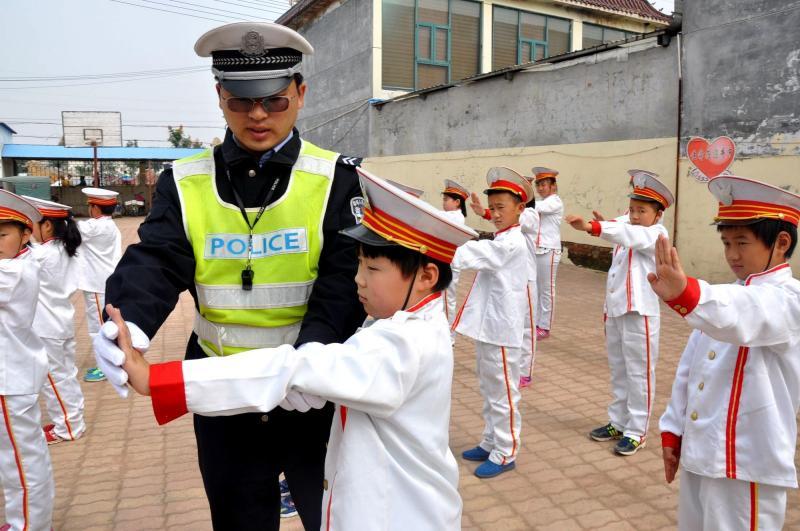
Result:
{"points": [[629, 93], [339, 77], [741, 78]]}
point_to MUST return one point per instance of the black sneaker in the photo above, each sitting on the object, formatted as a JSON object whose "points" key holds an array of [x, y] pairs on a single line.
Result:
{"points": [[628, 446], [605, 433]]}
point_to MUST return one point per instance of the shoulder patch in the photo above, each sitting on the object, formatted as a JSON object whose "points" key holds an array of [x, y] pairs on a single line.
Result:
{"points": [[345, 160], [357, 208]]}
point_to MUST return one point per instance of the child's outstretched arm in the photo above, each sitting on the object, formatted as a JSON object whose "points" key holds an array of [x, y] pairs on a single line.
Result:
{"points": [[755, 316]]}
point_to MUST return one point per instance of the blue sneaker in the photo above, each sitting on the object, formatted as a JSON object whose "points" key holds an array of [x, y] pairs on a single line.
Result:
{"points": [[287, 507], [628, 446], [490, 470], [284, 488], [94, 375], [476, 454]]}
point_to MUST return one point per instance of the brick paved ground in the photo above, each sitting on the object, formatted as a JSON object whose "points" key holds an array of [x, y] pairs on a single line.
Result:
{"points": [[129, 474]]}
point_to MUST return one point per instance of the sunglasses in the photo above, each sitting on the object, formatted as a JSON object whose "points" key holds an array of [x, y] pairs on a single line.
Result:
{"points": [[269, 104]]}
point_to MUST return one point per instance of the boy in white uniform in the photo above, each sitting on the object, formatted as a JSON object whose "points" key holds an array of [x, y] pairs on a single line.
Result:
{"points": [[548, 247], [529, 224], [492, 314], [100, 251], [632, 313], [731, 422], [388, 464], [59, 239], [25, 472], [454, 206]]}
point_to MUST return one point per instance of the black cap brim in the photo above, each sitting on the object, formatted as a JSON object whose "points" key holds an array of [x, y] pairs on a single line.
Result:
{"points": [[256, 88], [362, 234]]}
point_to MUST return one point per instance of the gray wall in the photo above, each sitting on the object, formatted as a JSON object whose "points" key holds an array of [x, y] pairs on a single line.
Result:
{"points": [[339, 77], [620, 94], [741, 72]]}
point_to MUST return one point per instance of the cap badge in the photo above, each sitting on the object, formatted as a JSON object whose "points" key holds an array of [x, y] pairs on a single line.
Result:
{"points": [[725, 193], [252, 43]]}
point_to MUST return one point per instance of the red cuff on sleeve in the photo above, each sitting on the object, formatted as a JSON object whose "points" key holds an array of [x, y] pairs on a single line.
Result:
{"points": [[686, 302], [670, 440], [167, 391], [487, 214], [595, 227]]}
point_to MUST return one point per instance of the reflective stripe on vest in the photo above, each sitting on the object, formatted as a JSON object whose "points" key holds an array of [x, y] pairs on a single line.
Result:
{"points": [[287, 242]]}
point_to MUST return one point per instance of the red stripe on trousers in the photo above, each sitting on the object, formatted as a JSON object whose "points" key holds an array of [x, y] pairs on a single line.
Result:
{"points": [[19, 464], [510, 405], [61, 405]]}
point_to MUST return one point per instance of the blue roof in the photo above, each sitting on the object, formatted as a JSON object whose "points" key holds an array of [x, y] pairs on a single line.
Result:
{"points": [[42, 152]]}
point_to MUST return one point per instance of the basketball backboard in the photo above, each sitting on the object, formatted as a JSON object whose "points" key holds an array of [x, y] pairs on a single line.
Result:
{"points": [[82, 128]]}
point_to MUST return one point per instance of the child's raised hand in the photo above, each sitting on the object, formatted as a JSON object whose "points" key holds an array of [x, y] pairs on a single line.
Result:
{"points": [[135, 365], [598, 216], [669, 280], [476, 205], [578, 223], [671, 458]]}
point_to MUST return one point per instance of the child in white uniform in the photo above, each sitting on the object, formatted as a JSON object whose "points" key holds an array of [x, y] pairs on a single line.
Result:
{"points": [[388, 464], [529, 224], [548, 247], [632, 314], [454, 205], [492, 314], [25, 472], [731, 422], [100, 251], [59, 239]]}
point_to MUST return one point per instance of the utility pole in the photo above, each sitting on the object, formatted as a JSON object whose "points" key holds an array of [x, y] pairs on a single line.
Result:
{"points": [[95, 173]]}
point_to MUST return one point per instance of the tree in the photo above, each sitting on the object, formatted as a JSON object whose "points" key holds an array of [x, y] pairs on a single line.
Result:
{"points": [[178, 139]]}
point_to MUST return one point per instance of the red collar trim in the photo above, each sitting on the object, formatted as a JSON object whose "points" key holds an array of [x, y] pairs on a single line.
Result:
{"points": [[22, 252], [48, 240], [425, 301], [507, 228], [767, 272]]}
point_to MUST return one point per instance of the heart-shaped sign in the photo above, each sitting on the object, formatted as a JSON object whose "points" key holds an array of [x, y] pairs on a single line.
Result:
{"points": [[711, 158]]}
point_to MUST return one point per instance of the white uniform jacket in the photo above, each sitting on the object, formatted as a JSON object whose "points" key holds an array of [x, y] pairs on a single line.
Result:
{"points": [[99, 252], [627, 288], [551, 211], [58, 281], [23, 360], [737, 387], [529, 222], [496, 304], [389, 466]]}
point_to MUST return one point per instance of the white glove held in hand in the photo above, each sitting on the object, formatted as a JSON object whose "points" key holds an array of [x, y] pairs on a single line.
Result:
{"points": [[302, 402], [109, 356]]}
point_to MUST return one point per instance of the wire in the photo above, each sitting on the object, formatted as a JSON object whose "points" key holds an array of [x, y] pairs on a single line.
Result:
{"points": [[213, 11], [104, 82], [274, 10], [81, 77], [16, 122], [166, 11]]}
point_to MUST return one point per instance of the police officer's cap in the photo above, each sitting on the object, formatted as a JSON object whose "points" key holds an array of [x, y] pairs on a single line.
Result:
{"points": [[253, 59]]}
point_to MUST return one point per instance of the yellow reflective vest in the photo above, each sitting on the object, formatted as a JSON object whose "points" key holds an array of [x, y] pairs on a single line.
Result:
{"points": [[287, 242]]}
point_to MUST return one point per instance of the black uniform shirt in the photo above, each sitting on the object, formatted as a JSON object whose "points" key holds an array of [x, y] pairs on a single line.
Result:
{"points": [[152, 274]]}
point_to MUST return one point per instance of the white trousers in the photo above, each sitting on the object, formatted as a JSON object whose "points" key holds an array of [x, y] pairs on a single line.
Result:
{"points": [[724, 504], [25, 470], [94, 303], [498, 377], [450, 303], [632, 343], [529, 333], [62, 392], [546, 268]]}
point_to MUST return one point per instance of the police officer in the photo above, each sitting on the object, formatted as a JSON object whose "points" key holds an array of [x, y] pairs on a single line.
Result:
{"points": [[250, 229]]}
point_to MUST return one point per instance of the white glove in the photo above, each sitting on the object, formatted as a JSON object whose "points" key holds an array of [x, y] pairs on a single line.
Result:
{"points": [[109, 356], [302, 402]]}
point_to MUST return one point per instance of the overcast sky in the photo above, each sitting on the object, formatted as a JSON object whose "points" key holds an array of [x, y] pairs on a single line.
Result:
{"points": [[154, 38]]}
